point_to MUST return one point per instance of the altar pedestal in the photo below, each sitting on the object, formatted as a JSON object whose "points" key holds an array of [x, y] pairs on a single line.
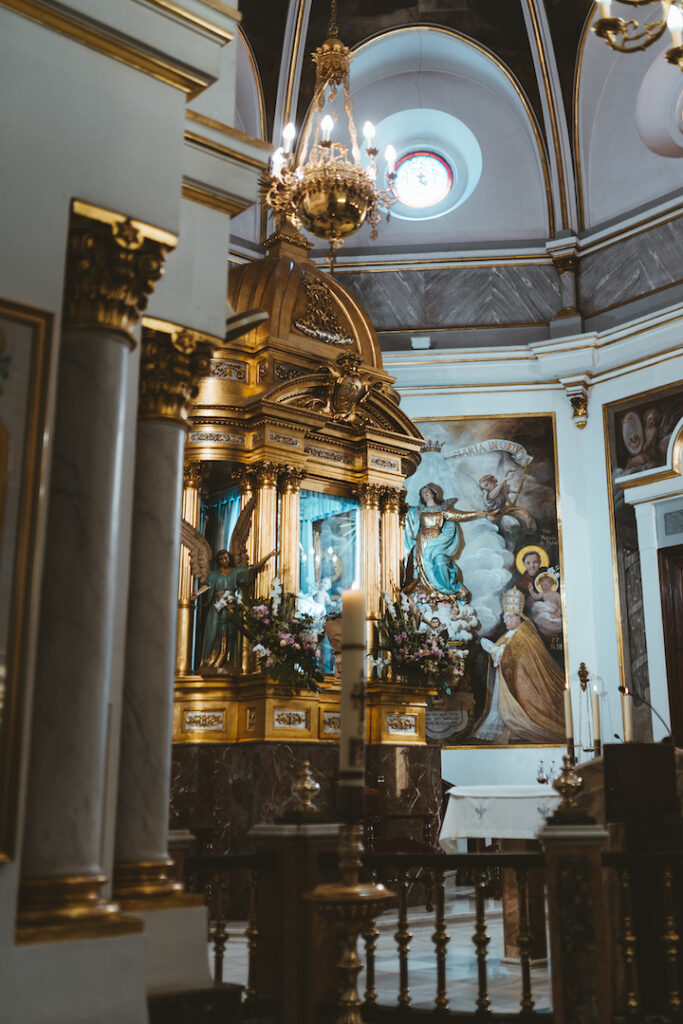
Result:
{"points": [[513, 814]]}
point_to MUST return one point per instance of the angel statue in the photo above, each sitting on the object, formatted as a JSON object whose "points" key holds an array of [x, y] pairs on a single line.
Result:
{"points": [[232, 572]]}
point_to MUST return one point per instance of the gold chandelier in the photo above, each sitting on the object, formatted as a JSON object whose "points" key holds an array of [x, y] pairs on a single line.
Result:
{"points": [[326, 189], [628, 36]]}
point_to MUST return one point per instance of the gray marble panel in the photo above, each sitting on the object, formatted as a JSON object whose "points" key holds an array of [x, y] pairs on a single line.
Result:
{"points": [[463, 296], [73, 669], [458, 296], [631, 268], [392, 299], [146, 724]]}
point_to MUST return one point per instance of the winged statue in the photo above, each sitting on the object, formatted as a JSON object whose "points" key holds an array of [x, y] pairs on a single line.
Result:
{"points": [[218, 585]]}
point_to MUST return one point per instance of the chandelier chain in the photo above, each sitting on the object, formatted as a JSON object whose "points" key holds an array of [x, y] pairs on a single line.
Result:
{"points": [[333, 30]]}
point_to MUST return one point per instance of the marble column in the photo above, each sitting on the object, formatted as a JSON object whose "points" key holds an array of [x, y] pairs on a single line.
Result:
{"points": [[264, 525], [193, 476], [392, 547], [290, 490], [369, 495], [112, 265], [171, 362]]}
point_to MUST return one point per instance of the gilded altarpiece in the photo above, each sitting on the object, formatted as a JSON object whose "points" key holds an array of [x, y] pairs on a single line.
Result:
{"points": [[299, 445]]}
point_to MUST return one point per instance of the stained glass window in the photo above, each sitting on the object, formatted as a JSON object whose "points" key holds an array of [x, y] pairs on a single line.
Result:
{"points": [[423, 179]]}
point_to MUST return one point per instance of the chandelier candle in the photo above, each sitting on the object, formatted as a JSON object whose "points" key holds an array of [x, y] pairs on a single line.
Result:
{"points": [[627, 716], [568, 721], [352, 738]]}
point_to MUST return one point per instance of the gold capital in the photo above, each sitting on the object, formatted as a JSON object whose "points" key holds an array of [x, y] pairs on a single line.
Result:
{"points": [[390, 499], [194, 475], [112, 266], [267, 474], [290, 479], [170, 367], [368, 495]]}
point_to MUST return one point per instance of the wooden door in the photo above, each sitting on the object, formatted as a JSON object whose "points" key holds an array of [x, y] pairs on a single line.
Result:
{"points": [[671, 589]]}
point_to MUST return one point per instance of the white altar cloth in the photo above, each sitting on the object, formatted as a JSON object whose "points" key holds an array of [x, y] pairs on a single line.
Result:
{"points": [[501, 812]]}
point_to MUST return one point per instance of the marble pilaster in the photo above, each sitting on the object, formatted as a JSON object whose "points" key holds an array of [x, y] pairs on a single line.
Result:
{"points": [[169, 366], [112, 266]]}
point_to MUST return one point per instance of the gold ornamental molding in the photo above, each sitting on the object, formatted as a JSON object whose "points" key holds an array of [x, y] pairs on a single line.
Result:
{"points": [[111, 43], [147, 885], [64, 907], [224, 35], [113, 263], [226, 129], [219, 148], [172, 361]]}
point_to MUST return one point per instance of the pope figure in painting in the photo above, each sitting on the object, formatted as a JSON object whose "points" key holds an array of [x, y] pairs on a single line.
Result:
{"points": [[527, 700], [434, 535]]}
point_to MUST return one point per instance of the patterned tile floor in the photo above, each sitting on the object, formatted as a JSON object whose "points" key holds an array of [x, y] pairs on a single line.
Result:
{"points": [[504, 980]]}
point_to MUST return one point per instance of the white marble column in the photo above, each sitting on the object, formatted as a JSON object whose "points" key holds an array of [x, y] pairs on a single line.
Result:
{"points": [[111, 267], [170, 364]]}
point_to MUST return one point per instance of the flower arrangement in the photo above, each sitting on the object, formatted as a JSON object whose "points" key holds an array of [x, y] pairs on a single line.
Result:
{"points": [[286, 644], [416, 650]]}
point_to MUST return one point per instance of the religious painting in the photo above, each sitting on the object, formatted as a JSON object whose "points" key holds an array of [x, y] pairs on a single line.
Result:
{"points": [[24, 340], [638, 430], [483, 561]]}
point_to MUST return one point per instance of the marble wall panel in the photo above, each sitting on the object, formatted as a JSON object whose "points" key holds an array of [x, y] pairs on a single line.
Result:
{"points": [[463, 296], [392, 299], [457, 296], [631, 268]]}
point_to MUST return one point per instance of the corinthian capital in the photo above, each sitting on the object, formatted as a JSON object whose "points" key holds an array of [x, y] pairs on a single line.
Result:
{"points": [[290, 479], [267, 474], [170, 367], [113, 264], [390, 499], [368, 495]]}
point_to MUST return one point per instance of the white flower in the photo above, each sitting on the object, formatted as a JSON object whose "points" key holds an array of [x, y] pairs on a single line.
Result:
{"points": [[259, 650]]}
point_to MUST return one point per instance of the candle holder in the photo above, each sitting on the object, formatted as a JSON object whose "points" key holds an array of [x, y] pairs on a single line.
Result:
{"points": [[305, 790], [350, 905], [569, 784]]}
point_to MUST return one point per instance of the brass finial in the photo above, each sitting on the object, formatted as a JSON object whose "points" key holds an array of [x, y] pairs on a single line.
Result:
{"points": [[583, 676], [305, 790]]}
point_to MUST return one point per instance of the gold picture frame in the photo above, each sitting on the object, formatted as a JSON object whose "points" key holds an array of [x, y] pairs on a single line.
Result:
{"points": [[25, 339]]}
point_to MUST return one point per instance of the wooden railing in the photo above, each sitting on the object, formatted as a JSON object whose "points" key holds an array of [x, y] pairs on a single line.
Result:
{"points": [[638, 939]]}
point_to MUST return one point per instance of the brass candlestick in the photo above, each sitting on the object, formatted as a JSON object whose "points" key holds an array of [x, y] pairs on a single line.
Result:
{"points": [[351, 905], [569, 784]]}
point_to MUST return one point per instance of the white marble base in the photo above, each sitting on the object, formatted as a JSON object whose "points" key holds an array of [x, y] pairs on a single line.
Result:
{"points": [[175, 951]]}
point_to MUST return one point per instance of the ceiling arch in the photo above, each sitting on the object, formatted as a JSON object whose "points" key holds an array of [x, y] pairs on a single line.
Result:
{"points": [[443, 74]]}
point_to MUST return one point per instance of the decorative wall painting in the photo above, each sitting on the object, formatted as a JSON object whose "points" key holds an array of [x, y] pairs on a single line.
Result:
{"points": [[483, 547], [638, 430], [24, 340]]}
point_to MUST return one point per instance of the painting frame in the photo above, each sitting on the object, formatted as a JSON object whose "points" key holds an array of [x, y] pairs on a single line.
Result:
{"points": [[550, 415], [20, 549], [610, 411]]}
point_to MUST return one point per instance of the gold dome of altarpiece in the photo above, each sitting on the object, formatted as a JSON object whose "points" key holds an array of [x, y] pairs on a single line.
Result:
{"points": [[301, 402]]}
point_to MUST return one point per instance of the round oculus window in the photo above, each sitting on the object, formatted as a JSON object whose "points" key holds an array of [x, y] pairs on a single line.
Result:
{"points": [[423, 179]]}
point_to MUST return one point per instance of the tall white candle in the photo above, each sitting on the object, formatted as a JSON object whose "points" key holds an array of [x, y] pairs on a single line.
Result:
{"points": [[596, 716], [627, 714], [568, 720], [352, 738]]}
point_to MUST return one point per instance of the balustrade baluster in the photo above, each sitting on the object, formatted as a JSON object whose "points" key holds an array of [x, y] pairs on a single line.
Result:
{"points": [[628, 946], [481, 941], [670, 941], [370, 935], [429, 889], [218, 933], [252, 934], [524, 941], [440, 939], [403, 937]]}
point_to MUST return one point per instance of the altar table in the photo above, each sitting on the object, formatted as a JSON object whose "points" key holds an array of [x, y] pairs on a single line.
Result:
{"points": [[513, 814], [500, 812]]}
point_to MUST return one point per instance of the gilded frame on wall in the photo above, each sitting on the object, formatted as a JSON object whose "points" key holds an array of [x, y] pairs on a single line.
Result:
{"points": [[25, 338], [489, 449], [637, 429]]}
